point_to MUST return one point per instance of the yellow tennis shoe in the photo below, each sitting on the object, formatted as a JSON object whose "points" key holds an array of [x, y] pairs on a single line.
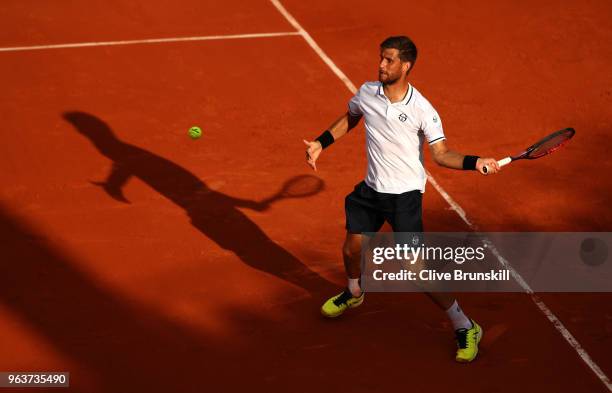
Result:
{"points": [[467, 343], [336, 305]]}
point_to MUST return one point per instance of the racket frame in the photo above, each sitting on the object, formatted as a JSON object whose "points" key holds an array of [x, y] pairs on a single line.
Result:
{"points": [[525, 154]]}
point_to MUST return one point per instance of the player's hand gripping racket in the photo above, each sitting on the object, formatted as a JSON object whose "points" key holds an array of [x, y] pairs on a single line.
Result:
{"points": [[541, 148], [298, 187]]}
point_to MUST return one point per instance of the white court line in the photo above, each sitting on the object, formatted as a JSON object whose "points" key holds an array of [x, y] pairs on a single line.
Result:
{"points": [[556, 322], [455, 206], [149, 41], [315, 46]]}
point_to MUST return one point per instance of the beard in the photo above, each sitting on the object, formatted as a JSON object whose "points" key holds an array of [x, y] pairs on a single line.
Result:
{"points": [[388, 79]]}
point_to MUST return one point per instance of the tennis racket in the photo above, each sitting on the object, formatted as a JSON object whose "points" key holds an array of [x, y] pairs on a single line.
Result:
{"points": [[298, 187], [543, 147]]}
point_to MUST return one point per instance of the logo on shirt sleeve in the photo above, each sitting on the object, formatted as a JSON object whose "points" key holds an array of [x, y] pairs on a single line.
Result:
{"points": [[435, 119]]}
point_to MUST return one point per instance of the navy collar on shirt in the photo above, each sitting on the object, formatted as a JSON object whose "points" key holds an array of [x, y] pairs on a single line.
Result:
{"points": [[406, 99]]}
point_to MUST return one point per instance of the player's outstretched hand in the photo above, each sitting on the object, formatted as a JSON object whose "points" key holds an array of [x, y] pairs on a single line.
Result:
{"points": [[312, 153], [115, 192], [490, 163]]}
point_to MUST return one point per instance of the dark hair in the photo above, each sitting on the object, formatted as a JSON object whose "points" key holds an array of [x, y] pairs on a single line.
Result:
{"points": [[407, 49]]}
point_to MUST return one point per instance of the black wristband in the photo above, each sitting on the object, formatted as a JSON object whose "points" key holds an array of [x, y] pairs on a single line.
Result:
{"points": [[469, 163], [325, 139]]}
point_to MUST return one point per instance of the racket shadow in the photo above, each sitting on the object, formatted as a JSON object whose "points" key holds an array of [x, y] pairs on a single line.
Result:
{"points": [[214, 214]]}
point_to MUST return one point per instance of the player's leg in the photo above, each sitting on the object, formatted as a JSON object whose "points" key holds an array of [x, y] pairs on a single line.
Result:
{"points": [[361, 216], [351, 255], [467, 332], [447, 302], [352, 296], [406, 217]]}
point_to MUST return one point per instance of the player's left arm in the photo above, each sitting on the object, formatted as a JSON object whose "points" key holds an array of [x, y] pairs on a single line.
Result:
{"points": [[445, 157]]}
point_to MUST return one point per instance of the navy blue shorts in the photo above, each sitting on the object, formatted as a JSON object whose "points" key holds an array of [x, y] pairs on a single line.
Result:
{"points": [[367, 210]]}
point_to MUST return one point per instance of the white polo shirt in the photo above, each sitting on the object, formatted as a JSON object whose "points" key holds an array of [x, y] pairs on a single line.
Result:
{"points": [[395, 135]]}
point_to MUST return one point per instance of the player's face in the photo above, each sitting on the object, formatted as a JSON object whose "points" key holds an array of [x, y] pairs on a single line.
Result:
{"points": [[390, 67]]}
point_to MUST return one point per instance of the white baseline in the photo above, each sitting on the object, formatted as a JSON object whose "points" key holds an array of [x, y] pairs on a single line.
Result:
{"points": [[149, 41]]}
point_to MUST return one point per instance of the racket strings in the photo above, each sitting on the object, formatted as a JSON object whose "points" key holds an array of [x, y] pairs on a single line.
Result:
{"points": [[550, 144]]}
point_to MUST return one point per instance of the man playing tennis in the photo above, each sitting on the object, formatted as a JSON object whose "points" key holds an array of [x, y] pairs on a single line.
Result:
{"points": [[397, 121]]}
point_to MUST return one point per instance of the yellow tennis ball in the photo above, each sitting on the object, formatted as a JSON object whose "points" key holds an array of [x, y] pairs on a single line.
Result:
{"points": [[195, 132]]}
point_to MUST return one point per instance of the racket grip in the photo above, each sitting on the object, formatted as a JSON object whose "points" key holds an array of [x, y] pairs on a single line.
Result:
{"points": [[502, 162]]}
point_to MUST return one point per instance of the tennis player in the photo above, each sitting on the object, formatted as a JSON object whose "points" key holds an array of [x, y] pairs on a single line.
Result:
{"points": [[398, 119]]}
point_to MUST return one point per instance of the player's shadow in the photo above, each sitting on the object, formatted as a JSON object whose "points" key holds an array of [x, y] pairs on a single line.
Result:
{"points": [[111, 342], [213, 213]]}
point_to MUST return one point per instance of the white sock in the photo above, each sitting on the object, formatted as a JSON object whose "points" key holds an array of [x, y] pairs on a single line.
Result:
{"points": [[458, 318], [353, 286]]}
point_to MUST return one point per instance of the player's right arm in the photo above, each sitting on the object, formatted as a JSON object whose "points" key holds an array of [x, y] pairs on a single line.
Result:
{"points": [[337, 130]]}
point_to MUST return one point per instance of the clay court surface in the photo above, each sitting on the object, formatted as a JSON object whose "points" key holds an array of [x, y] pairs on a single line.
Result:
{"points": [[190, 285]]}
